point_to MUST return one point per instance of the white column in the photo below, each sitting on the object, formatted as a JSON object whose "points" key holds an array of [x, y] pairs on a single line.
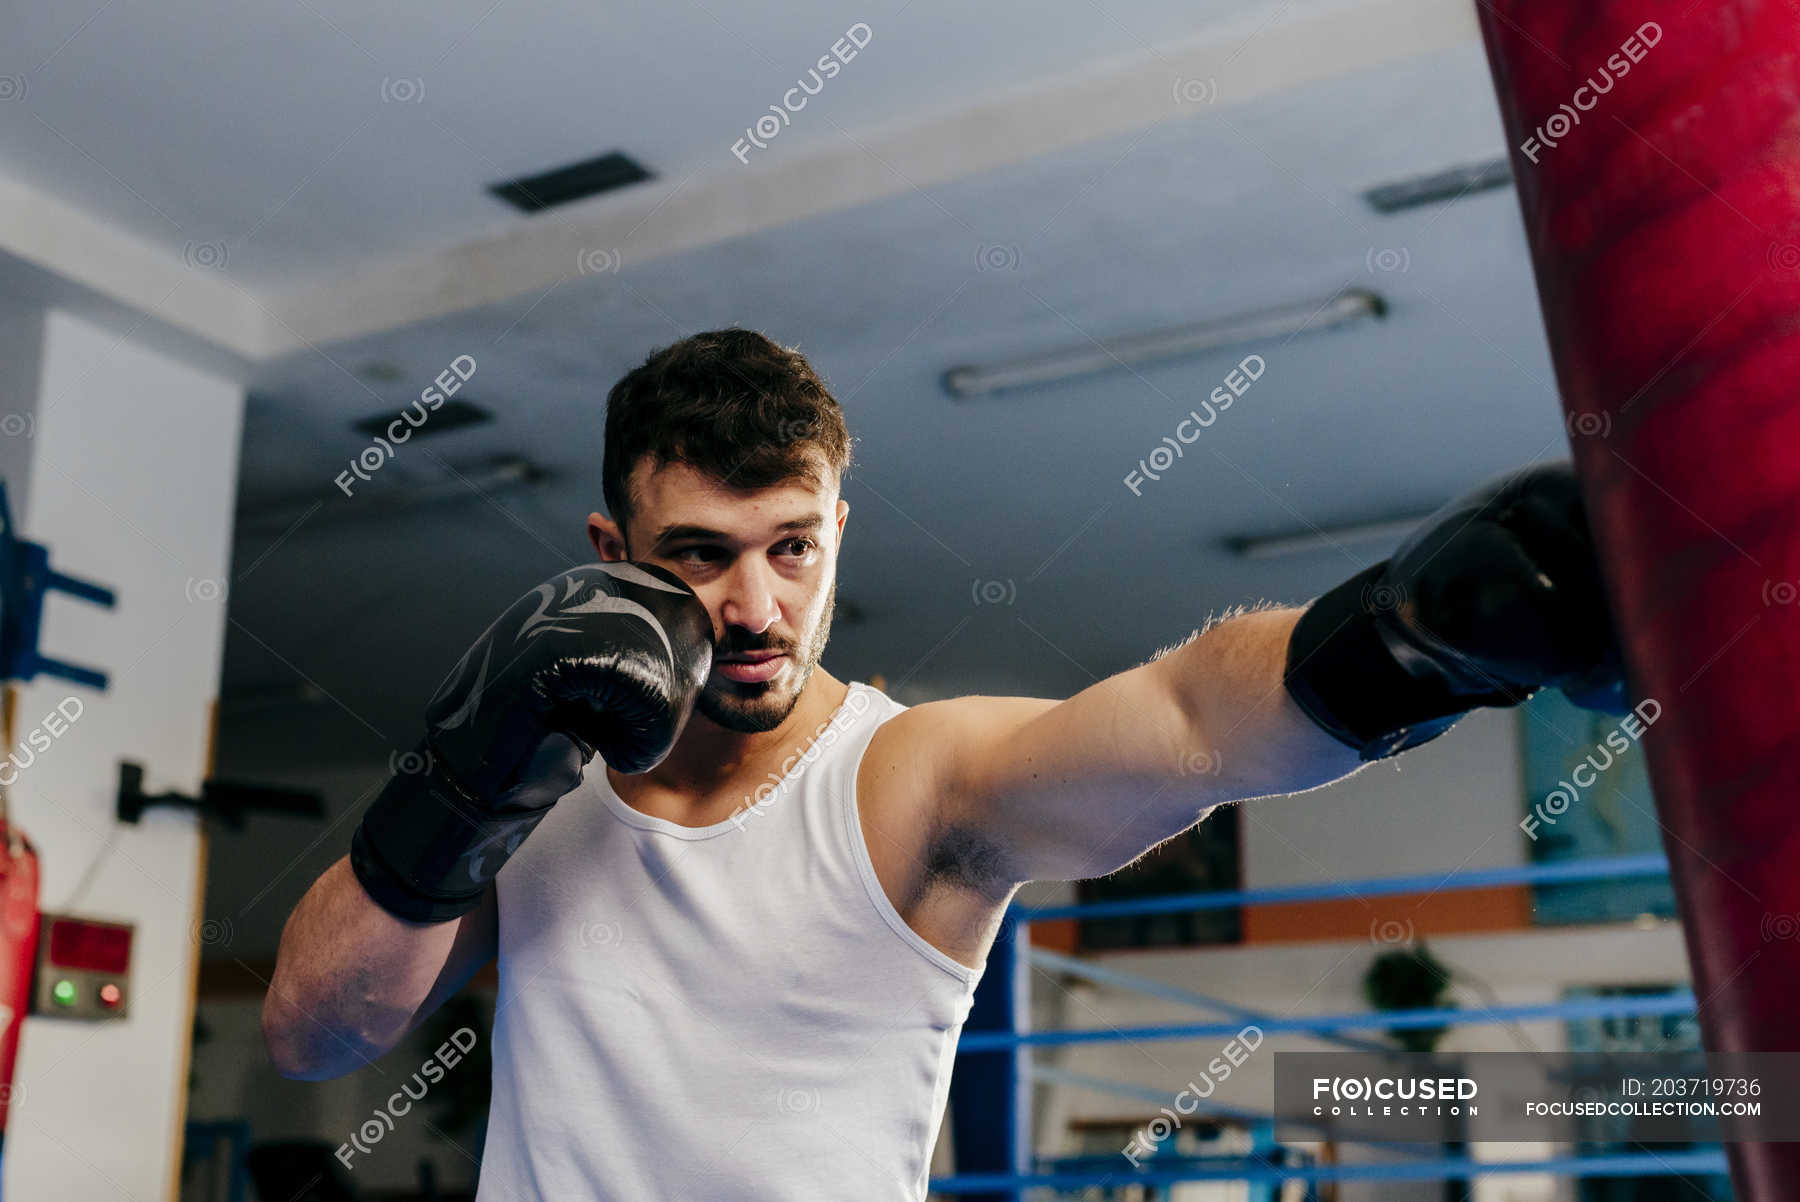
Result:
{"points": [[132, 483]]}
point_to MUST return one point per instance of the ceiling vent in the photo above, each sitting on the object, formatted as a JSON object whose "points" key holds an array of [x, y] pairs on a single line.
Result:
{"points": [[455, 484], [576, 181], [451, 415]]}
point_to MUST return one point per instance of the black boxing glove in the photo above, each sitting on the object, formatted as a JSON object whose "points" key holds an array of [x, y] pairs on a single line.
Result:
{"points": [[1497, 595], [606, 658]]}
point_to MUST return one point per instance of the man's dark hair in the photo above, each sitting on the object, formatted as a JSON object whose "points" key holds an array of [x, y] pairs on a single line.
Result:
{"points": [[731, 403]]}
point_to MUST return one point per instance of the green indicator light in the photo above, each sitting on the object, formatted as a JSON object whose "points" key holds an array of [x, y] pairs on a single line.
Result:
{"points": [[63, 992]]}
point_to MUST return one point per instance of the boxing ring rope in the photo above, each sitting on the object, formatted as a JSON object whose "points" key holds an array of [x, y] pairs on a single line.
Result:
{"points": [[1074, 966], [1681, 1002], [1142, 1093], [1653, 146], [1004, 1045], [1450, 1168], [1156, 1097], [1598, 868]]}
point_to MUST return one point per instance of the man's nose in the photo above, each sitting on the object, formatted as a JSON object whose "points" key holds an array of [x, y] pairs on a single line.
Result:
{"points": [[750, 599]]}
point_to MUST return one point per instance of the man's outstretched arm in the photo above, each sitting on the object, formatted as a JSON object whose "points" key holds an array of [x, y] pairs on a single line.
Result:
{"points": [[1495, 596], [1066, 790]]}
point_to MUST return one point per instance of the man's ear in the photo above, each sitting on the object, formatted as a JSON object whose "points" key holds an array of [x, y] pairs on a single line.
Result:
{"points": [[608, 539], [843, 512]]}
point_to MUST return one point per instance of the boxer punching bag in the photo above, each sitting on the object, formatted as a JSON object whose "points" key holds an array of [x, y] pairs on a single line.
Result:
{"points": [[1657, 152], [18, 935], [18, 949]]}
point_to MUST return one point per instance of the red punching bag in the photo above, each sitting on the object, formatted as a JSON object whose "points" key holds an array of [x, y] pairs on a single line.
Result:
{"points": [[18, 948], [18, 930], [1657, 152]]}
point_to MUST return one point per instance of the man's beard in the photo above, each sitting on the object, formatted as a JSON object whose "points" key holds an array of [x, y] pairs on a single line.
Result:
{"points": [[755, 708]]}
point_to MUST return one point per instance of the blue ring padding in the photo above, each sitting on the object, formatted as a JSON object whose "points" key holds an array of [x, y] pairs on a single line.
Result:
{"points": [[1600, 868], [1638, 1164], [1682, 1002]]}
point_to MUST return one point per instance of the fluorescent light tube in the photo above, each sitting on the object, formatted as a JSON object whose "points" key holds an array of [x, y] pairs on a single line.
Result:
{"points": [[1276, 545], [1139, 349]]}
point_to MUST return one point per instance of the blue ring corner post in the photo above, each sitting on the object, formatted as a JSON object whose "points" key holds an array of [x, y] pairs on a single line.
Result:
{"points": [[990, 1091]]}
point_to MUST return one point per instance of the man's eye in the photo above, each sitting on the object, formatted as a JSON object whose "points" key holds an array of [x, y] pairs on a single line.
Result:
{"points": [[800, 546], [695, 554]]}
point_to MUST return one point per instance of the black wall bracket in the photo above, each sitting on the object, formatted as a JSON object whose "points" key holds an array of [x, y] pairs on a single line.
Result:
{"points": [[218, 799]]}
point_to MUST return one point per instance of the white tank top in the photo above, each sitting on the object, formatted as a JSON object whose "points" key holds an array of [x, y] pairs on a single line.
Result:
{"points": [[733, 1012]]}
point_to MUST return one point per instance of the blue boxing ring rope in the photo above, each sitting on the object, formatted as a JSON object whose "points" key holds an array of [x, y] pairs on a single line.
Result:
{"points": [[1636, 1164], [995, 1070]]}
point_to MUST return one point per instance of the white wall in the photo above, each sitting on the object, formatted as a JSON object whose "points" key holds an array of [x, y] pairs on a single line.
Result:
{"points": [[133, 481], [1453, 803], [21, 355]]}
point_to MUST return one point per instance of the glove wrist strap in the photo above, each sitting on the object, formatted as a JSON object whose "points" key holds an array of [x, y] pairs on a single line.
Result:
{"points": [[426, 851], [1343, 673]]}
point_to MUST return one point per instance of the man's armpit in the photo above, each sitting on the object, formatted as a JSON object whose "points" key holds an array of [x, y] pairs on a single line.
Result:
{"points": [[963, 857]]}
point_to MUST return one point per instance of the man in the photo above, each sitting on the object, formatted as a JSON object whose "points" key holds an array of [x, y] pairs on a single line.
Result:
{"points": [[737, 948]]}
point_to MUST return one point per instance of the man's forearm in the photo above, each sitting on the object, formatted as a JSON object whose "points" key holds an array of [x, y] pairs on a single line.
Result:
{"points": [[1228, 682], [350, 978]]}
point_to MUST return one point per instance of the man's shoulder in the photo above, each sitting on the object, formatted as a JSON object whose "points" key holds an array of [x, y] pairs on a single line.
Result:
{"points": [[942, 874], [922, 749], [958, 719]]}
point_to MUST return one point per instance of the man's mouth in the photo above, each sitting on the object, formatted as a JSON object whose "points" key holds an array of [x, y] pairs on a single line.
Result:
{"points": [[751, 668]]}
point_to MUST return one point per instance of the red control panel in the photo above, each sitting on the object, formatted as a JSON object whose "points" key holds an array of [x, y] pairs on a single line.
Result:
{"points": [[84, 968]]}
